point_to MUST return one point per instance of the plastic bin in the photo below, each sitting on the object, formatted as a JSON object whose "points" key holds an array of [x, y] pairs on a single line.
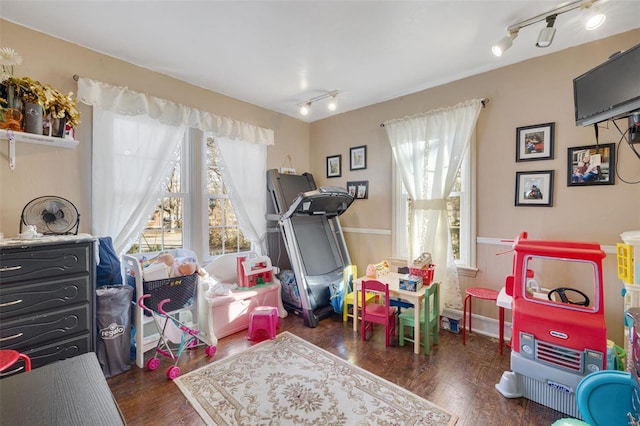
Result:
{"points": [[113, 321]]}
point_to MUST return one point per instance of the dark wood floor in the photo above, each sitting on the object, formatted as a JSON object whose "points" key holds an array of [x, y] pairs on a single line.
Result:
{"points": [[456, 377]]}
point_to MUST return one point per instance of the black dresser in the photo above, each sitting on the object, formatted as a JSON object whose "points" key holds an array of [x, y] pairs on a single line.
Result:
{"points": [[47, 298]]}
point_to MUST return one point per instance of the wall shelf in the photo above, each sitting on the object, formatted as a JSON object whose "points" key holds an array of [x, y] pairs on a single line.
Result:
{"points": [[14, 137]]}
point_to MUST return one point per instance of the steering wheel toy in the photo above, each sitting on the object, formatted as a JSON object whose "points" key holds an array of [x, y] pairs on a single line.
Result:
{"points": [[562, 293]]}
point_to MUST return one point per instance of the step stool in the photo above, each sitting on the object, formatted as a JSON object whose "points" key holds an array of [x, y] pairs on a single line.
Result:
{"points": [[264, 320]]}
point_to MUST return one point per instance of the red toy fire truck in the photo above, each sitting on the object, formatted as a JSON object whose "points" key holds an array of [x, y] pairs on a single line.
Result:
{"points": [[559, 333]]}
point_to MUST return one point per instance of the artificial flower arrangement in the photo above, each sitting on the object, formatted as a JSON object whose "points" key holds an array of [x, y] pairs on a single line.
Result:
{"points": [[54, 103]]}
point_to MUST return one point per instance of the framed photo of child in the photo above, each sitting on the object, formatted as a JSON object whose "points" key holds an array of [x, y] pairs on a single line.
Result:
{"points": [[534, 188], [534, 142], [358, 189], [591, 165]]}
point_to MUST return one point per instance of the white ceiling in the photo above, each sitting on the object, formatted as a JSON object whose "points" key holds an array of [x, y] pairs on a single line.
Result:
{"points": [[278, 54]]}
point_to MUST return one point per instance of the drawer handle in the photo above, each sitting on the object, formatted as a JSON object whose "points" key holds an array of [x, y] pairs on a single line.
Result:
{"points": [[10, 268], [15, 336], [8, 373], [14, 302]]}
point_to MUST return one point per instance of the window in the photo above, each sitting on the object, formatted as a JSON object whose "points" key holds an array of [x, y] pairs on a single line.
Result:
{"points": [[195, 211], [164, 231], [460, 207], [224, 233]]}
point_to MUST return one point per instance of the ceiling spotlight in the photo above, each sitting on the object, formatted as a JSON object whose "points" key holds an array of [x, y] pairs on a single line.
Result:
{"points": [[595, 18], [546, 34], [305, 108], [504, 44], [332, 103]]}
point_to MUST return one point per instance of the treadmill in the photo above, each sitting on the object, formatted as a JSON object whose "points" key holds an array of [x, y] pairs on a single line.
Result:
{"points": [[304, 219]]}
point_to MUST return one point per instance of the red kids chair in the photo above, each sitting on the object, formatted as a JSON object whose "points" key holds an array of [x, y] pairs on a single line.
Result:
{"points": [[379, 311]]}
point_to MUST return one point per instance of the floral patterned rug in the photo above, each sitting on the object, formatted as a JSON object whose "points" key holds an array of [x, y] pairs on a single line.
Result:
{"points": [[289, 381]]}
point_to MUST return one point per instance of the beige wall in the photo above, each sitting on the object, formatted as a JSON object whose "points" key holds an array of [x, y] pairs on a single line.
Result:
{"points": [[42, 170], [531, 92]]}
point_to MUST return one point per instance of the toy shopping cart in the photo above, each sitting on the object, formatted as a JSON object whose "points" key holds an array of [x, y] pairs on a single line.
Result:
{"points": [[175, 337]]}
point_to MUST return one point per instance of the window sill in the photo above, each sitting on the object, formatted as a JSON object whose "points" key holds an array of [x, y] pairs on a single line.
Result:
{"points": [[466, 271]]}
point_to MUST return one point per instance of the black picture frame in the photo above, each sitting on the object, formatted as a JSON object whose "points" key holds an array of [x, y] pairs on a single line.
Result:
{"points": [[358, 157], [334, 166], [534, 189], [598, 169], [535, 142], [358, 189]]}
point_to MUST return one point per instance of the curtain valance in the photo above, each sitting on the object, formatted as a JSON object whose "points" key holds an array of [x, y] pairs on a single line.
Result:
{"points": [[123, 101]]}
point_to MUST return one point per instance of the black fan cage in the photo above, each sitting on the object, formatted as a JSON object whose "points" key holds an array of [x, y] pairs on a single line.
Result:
{"points": [[49, 219]]}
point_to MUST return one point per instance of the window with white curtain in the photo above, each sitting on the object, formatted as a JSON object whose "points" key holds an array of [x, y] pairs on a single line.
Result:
{"points": [[195, 211], [225, 236], [460, 207]]}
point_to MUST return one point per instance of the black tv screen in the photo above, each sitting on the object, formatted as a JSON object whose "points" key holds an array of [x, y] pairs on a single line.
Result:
{"points": [[610, 90]]}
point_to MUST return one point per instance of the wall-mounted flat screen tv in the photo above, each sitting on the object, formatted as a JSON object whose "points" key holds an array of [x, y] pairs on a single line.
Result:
{"points": [[610, 90]]}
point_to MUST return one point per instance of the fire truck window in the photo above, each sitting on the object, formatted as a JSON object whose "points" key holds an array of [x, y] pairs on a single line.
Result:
{"points": [[550, 274]]}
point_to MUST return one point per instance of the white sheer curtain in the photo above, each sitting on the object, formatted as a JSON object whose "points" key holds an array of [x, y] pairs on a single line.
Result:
{"points": [[429, 149], [132, 159], [136, 138], [244, 170]]}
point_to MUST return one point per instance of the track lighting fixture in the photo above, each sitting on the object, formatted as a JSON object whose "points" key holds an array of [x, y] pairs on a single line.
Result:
{"points": [[505, 43], [596, 18], [305, 107], [332, 103], [546, 34]]}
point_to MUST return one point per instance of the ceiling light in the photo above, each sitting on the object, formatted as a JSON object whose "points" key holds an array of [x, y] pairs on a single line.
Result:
{"points": [[505, 43], [332, 104], [595, 19], [305, 107], [546, 34]]}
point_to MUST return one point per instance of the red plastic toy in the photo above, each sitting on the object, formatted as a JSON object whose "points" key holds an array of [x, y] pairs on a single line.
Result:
{"points": [[559, 333]]}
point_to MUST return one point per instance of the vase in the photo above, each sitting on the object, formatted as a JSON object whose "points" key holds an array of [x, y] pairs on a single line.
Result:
{"points": [[57, 127], [32, 118], [13, 98]]}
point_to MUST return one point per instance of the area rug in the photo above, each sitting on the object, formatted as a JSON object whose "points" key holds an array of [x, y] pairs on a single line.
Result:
{"points": [[289, 381]]}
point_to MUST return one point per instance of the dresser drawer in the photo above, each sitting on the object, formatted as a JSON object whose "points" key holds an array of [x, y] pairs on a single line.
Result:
{"points": [[44, 262], [29, 298], [43, 355], [29, 332]]}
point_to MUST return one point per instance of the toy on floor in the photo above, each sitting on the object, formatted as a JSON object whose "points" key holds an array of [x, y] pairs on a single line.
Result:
{"points": [[175, 337], [561, 336]]}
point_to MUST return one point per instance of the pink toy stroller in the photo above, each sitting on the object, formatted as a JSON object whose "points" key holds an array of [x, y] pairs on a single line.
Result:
{"points": [[175, 336]]}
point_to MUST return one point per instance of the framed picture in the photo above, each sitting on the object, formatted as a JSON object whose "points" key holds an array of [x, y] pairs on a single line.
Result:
{"points": [[534, 142], [534, 188], [591, 165], [358, 156], [334, 166], [358, 189]]}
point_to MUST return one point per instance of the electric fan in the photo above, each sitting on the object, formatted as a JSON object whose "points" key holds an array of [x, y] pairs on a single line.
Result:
{"points": [[51, 215]]}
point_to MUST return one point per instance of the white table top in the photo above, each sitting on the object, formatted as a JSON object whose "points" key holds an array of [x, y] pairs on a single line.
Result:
{"points": [[393, 279]]}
